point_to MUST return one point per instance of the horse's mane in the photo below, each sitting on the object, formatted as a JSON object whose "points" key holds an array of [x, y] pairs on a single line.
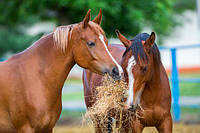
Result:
{"points": [[138, 50], [61, 36]]}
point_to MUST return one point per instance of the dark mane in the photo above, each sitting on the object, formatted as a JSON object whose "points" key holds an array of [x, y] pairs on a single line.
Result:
{"points": [[138, 50]]}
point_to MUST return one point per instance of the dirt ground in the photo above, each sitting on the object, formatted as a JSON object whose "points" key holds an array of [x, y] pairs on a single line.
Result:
{"points": [[178, 128]]}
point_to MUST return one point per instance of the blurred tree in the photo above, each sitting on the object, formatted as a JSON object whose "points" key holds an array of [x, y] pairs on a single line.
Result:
{"points": [[14, 41], [129, 16]]}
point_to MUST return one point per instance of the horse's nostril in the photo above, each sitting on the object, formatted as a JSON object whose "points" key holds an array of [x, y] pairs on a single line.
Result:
{"points": [[115, 71]]}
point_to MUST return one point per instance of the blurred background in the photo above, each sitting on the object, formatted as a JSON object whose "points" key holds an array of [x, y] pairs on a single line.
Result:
{"points": [[176, 23]]}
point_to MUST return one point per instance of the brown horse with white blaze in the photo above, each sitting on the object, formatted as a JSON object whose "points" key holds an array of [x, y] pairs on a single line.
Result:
{"points": [[149, 94], [31, 82]]}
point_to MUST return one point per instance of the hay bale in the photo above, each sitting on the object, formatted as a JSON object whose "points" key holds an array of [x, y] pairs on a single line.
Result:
{"points": [[110, 103]]}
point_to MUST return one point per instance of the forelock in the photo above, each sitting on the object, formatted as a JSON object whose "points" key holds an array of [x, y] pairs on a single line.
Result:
{"points": [[138, 50]]}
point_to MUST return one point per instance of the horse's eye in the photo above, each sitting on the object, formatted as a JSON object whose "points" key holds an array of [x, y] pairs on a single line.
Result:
{"points": [[91, 44]]}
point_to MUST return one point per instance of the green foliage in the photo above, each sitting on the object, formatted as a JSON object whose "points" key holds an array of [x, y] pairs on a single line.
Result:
{"points": [[181, 5], [129, 16], [14, 41]]}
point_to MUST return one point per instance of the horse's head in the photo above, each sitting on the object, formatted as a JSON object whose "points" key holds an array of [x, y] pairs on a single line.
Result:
{"points": [[88, 44], [91, 51], [137, 63]]}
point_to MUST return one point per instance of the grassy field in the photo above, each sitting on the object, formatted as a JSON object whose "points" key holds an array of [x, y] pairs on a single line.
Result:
{"points": [[189, 89], [178, 128], [73, 96]]}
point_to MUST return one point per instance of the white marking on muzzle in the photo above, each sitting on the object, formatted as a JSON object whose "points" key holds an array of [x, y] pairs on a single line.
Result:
{"points": [[131, 63], [118, 66]]}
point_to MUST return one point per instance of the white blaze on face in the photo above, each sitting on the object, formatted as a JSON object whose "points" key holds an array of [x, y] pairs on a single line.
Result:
{"points": [[131, 63], [118, 66]]}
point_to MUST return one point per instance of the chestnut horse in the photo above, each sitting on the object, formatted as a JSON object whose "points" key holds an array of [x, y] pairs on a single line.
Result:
{"points": [[149, 95], [31, 82]]}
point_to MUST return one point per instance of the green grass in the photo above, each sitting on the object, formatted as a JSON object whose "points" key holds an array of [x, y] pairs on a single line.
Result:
{"points": [[67, 113], [190, 110], [190, 114], [72, 96], [189, 89]]}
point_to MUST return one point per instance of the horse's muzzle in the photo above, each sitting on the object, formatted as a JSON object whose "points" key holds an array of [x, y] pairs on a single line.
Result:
{"points": [[114, 73]]}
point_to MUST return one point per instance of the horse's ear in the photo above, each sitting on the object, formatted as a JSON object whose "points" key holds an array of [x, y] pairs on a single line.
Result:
{"points": [[124, 40], [150, 41], [98, 18], [86, 19]]}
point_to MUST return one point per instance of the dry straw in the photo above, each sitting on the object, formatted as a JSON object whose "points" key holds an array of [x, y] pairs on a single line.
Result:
{"points": [[109, 103]]}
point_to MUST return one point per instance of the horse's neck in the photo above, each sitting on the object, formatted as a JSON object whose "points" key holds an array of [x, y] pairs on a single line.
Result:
{"points": [[47, 64], [157, 86]]}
